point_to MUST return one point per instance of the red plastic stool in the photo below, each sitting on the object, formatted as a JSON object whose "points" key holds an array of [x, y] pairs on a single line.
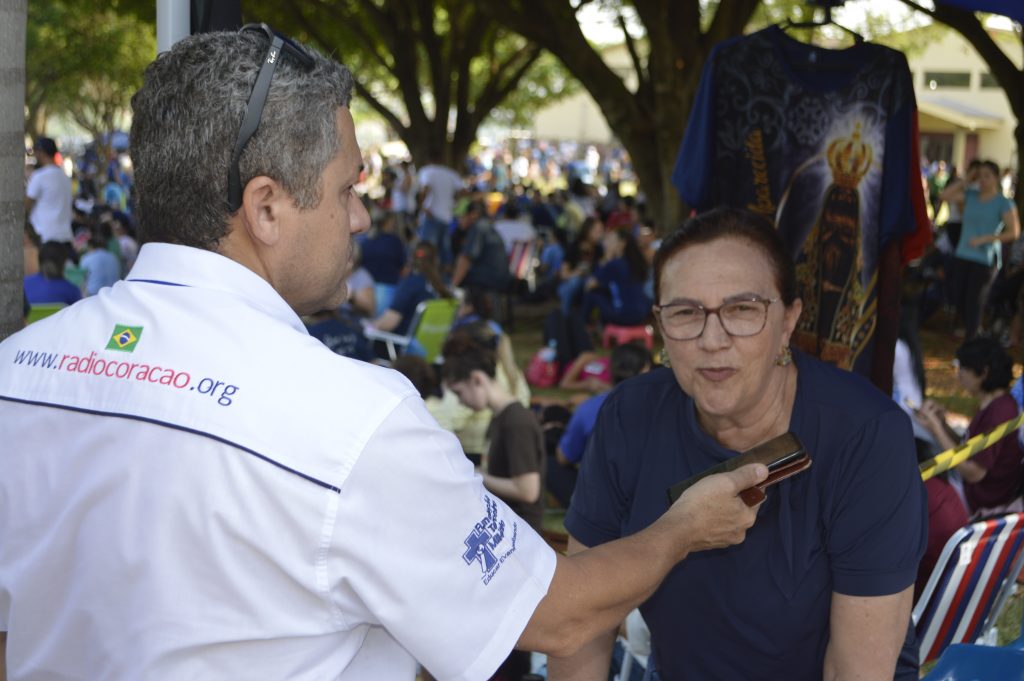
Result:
{"points": [[628, 334]]}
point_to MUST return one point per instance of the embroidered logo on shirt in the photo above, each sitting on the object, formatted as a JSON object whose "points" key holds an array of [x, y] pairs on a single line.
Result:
{"points": [[124, 338], [488, 543]]}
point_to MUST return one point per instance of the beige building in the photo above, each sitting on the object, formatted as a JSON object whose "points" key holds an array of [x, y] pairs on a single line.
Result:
{"points": [[577, 117], [964, 114]]}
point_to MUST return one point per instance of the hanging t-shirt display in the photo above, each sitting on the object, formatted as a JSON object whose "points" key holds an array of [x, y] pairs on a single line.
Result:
{"points": [[820, 141]]}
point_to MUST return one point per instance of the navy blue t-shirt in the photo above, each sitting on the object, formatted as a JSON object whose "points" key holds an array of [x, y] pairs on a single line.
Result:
{"points": [[854, 523], [343, 335], [411, 291], [383, 256]]}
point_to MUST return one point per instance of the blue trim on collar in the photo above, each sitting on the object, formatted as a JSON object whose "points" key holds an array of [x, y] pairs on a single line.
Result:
{"points": [[157, 281]]}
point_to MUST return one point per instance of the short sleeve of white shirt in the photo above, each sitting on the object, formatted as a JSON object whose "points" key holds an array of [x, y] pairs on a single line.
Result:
{"points": [[420, 548], [50, 188]]}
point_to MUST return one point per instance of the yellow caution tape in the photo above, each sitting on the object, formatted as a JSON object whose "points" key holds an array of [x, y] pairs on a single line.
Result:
{"points": [[956, 456]]}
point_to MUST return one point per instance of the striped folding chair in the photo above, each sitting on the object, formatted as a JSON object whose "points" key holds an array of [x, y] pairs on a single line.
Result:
{"points": [[970, 584]]}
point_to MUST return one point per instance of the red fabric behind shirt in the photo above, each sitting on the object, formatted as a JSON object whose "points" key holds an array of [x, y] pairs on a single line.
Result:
{"points": [[946, 515], [914, 244]]}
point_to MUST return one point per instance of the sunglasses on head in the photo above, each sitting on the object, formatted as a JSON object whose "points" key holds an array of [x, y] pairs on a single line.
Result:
{"points": [[279, 46]]}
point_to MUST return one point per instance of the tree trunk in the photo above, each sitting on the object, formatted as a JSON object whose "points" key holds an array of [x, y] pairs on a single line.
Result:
{"points": [[35, 123], [12, 163], [649, 120]]}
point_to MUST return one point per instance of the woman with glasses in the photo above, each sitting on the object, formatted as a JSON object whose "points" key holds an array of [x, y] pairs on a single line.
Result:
{"points": [[827, 572]]}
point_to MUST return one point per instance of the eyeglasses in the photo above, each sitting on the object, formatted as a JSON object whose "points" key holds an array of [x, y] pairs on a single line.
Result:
{"points": [[742, 317], [258, 99]]}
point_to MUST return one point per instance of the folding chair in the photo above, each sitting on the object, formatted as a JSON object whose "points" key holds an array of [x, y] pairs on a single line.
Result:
{"points": [[429, 328], [522, 260], [522, 268], [43, 310], [970, 584]]}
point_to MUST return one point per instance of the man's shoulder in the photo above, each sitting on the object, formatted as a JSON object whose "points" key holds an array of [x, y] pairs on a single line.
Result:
{"points": [[50, 174]]}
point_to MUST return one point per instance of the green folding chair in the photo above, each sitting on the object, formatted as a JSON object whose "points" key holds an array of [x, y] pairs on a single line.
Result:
{"points": [[428, 329]]}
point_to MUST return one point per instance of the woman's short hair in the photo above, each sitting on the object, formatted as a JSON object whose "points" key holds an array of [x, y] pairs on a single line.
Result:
{"points": [[419, 373], [186, 119], [469, 348], [986, 357], [735, 223]]}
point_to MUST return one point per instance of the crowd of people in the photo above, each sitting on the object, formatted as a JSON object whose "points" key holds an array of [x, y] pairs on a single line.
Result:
{"points": [[79, 237], [406, 508]]}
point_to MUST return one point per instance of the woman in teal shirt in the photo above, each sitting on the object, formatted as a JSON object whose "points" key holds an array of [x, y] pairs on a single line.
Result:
{"points": [[989, 220]]}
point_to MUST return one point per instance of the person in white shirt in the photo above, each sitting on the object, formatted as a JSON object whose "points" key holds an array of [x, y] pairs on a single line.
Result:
{"points": [[439, 185], [195, 488], [403, 197], [48, 195]]}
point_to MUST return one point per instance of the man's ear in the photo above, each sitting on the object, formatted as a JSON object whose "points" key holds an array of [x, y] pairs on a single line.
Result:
{"points": [[264, 202]]}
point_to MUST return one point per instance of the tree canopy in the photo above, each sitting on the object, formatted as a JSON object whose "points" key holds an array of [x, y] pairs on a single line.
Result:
{"points": [[84, 60], [433, 70]]}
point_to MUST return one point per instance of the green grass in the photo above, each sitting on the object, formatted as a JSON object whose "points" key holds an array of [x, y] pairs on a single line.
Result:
{"points": [[1010, 619]]}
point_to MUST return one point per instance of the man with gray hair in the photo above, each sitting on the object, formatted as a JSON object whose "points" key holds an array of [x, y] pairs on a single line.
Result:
{"points": [[194, 488]]}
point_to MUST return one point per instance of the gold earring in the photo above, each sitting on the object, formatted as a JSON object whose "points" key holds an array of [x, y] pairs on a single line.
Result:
{"points": [[785, 357], [663, 359]]}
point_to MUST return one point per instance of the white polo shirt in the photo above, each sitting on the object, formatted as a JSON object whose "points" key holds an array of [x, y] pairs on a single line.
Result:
{"points": [[50, 188], [194, 488]]}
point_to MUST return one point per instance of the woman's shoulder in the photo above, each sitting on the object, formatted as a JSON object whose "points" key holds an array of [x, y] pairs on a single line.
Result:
{"points": [[837, 390], [1003, 407]]}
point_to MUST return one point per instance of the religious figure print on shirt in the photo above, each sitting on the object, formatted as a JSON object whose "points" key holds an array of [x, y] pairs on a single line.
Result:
{"points": [[817, 141]]}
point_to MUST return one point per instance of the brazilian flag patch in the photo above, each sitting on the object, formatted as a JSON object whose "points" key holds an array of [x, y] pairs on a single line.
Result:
{"points": [[124, 338]]}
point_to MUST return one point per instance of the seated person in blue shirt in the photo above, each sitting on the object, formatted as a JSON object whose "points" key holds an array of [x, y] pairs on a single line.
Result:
{"points": [[422, 283], [383, 251], [102, 268], [48, 285], [616, 290], [627, 361], [822, 586], [341, 333]]}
